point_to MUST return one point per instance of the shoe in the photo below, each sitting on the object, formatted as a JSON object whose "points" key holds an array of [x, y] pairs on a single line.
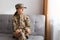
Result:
{"points": [[13, 36], [27, 37]]}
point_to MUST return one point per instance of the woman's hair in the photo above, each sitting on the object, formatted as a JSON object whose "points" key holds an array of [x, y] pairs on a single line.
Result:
{"points": [[15, 13]]}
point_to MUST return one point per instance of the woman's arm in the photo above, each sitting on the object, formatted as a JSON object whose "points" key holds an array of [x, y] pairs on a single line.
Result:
{"points": [[27, 22], [15, 25], [14, 22]]}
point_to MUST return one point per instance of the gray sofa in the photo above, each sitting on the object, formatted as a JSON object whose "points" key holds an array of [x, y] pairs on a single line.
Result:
{"points": [[37, 27]]}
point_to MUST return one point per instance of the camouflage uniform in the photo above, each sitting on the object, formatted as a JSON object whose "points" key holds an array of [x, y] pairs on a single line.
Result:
{"points": [[20, 22]]}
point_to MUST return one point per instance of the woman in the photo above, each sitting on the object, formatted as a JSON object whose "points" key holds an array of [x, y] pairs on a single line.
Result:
{"points": [[21, 23]]}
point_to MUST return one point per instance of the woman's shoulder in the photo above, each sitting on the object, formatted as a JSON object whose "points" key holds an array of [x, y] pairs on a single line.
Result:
{"points": [[14, 17], [26, 16]]}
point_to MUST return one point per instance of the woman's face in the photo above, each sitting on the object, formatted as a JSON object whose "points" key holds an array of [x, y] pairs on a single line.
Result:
{"points": [[20, 10]]}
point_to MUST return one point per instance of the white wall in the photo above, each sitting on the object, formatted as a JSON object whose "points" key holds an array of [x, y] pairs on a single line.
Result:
{"points": [[54, 12], [33, 6]]}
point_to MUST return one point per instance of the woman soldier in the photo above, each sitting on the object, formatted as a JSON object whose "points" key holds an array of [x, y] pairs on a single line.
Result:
{"points": [[21, 23]]}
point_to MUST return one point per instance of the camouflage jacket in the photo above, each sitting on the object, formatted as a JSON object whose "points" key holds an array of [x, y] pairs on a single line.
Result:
{"points": [[20, 22]]}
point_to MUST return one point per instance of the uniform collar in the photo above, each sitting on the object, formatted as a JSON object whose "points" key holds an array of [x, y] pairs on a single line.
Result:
{"points": [[20, 14]]}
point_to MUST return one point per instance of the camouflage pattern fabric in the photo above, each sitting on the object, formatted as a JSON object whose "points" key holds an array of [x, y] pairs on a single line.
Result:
{"points": [[20, 22]]}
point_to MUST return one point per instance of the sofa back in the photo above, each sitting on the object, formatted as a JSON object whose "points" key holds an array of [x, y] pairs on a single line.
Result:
{"points": [[5, 23], [37, 24]]}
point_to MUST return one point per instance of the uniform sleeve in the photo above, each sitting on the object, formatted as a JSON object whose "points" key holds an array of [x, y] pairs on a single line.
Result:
{"points": [[27, 21], [14, 22], [28, 30]]}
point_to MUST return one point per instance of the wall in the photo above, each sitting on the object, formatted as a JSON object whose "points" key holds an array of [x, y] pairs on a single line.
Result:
{"points": [[54, 12], [33, 6]]}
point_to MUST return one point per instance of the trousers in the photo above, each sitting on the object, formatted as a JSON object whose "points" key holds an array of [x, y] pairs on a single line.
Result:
{"points": [[20, 36]]}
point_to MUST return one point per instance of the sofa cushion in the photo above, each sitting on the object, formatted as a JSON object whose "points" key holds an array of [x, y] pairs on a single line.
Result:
{"points": [[37, 24], [4, 36], [40, 25], [5, 25]]}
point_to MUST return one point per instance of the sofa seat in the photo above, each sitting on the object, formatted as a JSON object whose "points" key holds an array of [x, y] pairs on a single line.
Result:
{"points": [[9, 37]]}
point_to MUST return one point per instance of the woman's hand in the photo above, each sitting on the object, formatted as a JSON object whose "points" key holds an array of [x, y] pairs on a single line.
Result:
{"points": [[18, 31], [28, 30]]}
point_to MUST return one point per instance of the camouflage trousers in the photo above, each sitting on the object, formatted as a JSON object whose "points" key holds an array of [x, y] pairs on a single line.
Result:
{"points": [[20, 36]]}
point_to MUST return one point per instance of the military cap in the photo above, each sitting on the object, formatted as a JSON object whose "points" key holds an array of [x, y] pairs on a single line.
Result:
{"points": [[19, 5]]}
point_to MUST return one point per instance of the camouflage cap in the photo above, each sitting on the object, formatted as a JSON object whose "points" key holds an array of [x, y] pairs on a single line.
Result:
{"points": [[19, 5]]}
